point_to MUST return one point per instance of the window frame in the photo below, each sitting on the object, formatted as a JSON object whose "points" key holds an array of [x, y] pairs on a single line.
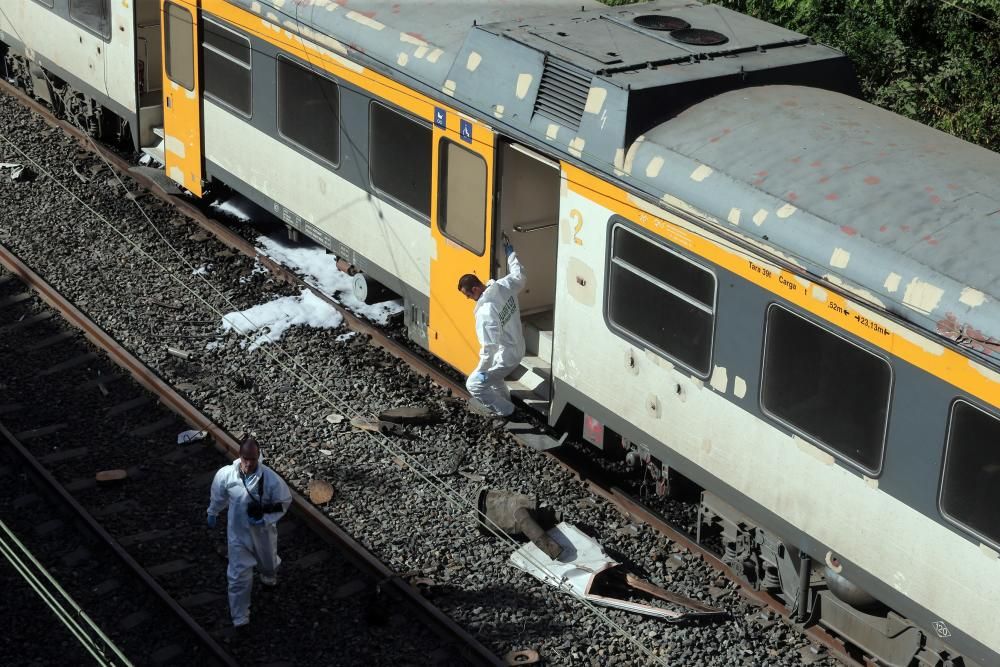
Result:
{"points": [[248, 67], [277, 108], [663, 244], [965, 528], [442, 183], [430, 166], [69, 9], [48, 4], [826, 327], [166, 39]]}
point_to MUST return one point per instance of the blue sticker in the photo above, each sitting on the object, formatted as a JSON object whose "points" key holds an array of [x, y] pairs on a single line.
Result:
{"points": [[440, 117], [466, 129]]}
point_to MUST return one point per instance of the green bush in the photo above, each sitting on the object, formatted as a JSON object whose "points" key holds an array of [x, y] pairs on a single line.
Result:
{"points": [[935, 61]]}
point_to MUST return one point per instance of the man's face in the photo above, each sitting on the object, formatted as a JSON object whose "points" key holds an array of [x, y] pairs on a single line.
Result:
{"points": [[248, 460], [474, 292]]}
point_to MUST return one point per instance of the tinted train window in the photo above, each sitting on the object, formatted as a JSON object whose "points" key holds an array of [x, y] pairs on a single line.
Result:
{"points": [[827, 387], [462, 214], [94, 14], [309, 110], [970, 488], [661, 298], [180, 46], [400, 154], [226, 56]]}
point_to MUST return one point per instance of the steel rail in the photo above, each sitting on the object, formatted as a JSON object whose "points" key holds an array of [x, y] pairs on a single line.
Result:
{"points": [[617, 497], [363, 559], [38, 471]]}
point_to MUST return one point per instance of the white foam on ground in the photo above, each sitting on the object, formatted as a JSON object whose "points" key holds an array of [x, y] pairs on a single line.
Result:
{"points": [[231, 207], [273, 319], [320, 270]]}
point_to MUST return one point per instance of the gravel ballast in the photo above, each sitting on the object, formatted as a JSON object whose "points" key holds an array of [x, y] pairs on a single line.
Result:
{"points": [[284, 392]]}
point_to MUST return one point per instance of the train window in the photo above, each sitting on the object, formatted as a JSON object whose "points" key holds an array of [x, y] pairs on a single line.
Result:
{"points": [[407, 179], [309, 110], [179, 37], [661, 298], [462, 211], [970, 485], [93, 14], [226, 56], [831, 389]]}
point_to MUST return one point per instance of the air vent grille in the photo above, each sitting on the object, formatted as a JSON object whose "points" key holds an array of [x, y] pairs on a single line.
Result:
{"points": [[562, 94]]}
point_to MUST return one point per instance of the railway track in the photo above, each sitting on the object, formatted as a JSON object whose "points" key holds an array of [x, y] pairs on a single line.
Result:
{"points": [[466, 451], [76, 413]]}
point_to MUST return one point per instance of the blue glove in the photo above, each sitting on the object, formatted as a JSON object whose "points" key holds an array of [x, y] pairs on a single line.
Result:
{"points": [[507, 247], [211, 520], [256, 522]]}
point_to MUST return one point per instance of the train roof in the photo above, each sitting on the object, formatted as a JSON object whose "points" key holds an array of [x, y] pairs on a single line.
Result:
{"points": [[900, 213], [581, 76], [727, 115]]}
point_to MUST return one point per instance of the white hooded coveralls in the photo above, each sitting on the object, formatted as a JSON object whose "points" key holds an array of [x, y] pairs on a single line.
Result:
{"points": [[249, 545], [498, 327]]}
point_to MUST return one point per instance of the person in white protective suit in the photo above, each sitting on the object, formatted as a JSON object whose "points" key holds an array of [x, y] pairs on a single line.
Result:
{"points": [[257, 498], [498, 327]]}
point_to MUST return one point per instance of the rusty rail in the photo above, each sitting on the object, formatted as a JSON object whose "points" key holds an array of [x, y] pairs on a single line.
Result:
{"points": [[363, 559], [45, 477]]}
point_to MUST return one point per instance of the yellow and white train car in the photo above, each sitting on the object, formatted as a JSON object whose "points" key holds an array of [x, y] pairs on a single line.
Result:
{"points": [[737, 270]]}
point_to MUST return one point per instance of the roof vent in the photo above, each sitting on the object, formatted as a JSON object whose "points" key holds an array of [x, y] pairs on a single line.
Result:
{"points": [[562, 93], [699, 37], [660, 22]]}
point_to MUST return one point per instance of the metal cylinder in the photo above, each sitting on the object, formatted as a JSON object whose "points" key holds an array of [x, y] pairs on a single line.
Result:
{"points": [[805, 574]]}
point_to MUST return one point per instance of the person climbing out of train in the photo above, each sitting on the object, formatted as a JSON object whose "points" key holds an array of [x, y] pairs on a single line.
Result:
{"points": [[257, 499], [498, 328]]}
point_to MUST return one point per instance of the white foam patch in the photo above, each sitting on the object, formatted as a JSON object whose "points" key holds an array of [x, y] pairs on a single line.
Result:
{"points": [[972, 297], [234, 208], [892, 281], [320, 270], [271, 320], [840, 258]]}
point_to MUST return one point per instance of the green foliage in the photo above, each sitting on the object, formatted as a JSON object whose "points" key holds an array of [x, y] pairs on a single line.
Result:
{"points": [[935, 61]]}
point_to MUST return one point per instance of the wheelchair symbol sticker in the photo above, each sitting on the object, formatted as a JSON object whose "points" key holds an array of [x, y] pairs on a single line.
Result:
{"points": [[440, 117], [466, 130]]}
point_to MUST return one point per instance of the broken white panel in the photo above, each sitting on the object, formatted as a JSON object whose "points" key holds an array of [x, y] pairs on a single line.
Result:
{"points": [[576, 569]]}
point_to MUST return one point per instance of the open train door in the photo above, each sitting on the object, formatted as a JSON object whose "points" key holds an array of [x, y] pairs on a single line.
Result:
{"points": [[182, 147], [462, 228]]}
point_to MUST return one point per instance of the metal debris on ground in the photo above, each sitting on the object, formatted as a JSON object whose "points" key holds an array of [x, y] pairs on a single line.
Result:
{"points": [[185, 437], [320, 491], [414, 414], [587, 571], [528, 656], [517, 514], [366, 424]]}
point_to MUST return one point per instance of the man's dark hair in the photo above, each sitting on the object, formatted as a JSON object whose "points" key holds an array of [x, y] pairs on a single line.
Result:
{"points": [[249, 442], [468, 281]]}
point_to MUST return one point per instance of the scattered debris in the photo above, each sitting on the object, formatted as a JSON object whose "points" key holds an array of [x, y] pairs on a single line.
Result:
{"points": [[199, 236], [320, 491], [365, 424], [415, 414], [180, 354], [517, 514], [471, 476], [588, 572], [526, 656], [18, 172], [334, 418], [110, 476], [190, 436]]}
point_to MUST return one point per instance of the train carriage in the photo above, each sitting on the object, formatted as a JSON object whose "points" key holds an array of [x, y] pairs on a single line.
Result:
{"points": [[737, 270]]}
